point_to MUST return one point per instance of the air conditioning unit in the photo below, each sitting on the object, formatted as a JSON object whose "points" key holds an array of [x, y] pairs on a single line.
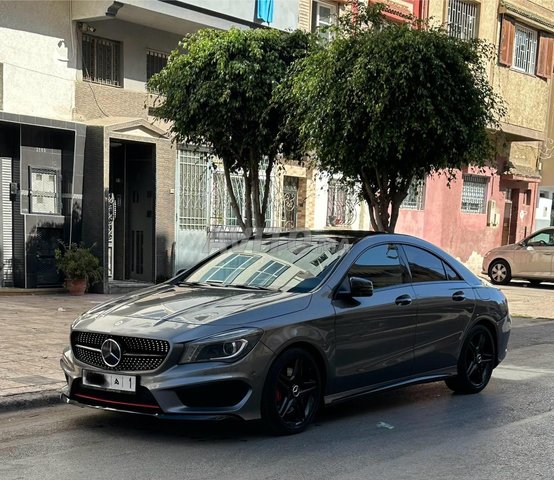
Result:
{"points": [[493, 217]]}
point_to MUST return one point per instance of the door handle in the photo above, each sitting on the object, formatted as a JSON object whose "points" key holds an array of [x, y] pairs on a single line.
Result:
{"points": [[459, 296], [403, 300]]}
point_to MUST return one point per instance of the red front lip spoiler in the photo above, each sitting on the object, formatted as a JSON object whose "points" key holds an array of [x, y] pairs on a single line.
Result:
{"points": [[114, 402]]}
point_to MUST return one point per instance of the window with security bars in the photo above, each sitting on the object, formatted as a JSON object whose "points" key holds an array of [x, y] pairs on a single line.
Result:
{"points": [[337, 204], [525, 49], [44, 192], [463, 19], [474, 194], [155, 63], [414, 199], [101, 60], [193, 190]]}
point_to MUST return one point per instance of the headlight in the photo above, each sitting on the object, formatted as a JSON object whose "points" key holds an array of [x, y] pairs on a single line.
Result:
{"points": [[225, 347]]}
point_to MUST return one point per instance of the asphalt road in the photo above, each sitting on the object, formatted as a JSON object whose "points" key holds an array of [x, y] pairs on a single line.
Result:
{"points": [[421, 432]]}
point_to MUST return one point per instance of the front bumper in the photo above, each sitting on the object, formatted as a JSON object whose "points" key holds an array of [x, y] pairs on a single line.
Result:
{"points": [[201, 391]]}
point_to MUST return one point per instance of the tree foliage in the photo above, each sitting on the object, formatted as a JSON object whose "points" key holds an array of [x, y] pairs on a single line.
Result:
{"points": [[386, 104], [218, 90]]}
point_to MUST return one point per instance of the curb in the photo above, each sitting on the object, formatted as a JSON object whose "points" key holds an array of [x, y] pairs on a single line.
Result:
{"points": [[24, 401]]}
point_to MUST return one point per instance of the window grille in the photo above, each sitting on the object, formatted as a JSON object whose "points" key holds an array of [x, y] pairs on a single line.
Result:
{"points": [[416, 194], [44, 193], [101, 60], [193, 194], [340, 207], [462, 19], [155, 63], [525, 49], [474, 194]]}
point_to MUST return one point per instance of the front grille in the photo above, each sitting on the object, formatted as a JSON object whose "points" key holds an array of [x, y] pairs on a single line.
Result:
{"points": [[139, 354]]}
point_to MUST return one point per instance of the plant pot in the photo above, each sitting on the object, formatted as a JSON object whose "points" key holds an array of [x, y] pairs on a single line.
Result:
{"points": [[76, 286]]}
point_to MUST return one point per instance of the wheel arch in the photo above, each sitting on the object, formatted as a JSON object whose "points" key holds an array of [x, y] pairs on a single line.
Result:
{"points": [[504, 259]]}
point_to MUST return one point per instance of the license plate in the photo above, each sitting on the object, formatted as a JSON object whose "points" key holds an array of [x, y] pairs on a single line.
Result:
{"points": [[110, 381]]}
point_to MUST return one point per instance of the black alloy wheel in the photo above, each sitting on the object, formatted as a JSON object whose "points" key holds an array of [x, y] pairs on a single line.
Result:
{"points": [[476, 362], [292, 392]]}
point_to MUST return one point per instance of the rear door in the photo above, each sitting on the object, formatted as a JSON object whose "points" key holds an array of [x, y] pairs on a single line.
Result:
{"points": [[445, 307], [375, 334]]}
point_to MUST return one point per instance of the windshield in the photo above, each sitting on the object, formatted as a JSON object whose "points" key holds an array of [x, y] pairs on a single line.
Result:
{"points": [[280, 263]]}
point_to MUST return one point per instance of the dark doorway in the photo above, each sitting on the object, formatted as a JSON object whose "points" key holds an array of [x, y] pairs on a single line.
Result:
{"points": [[131, 211]]}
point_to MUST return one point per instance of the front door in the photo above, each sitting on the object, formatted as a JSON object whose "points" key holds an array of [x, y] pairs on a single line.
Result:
{"points": [[535, 256], [140, 198], [375, 335]]}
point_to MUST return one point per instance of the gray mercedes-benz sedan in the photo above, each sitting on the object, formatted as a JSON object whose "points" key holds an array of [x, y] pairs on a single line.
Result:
{"points": [[275, 327]]}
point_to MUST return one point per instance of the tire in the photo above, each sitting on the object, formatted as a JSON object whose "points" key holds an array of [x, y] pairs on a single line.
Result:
{"points": [[292, 392], [500, 272], [476, 362]]}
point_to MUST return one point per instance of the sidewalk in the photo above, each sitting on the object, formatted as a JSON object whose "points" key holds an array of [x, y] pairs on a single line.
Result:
{"points": [[35, 328]]}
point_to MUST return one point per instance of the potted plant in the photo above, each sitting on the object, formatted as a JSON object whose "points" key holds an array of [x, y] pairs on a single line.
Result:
{"points": [[79, 266]]}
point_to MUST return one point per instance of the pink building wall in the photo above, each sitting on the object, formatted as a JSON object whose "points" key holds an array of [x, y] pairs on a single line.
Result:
{"points": [[462, 234]]}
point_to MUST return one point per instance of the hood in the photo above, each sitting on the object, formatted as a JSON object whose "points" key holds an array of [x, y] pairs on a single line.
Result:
{"points": [[167, 310], [507, 248]]}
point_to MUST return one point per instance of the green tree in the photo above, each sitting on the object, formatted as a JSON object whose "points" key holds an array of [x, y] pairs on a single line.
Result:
{"points": [[386, 105], [218, 90]]}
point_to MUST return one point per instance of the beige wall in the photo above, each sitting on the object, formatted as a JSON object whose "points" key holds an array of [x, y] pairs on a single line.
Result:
{"points": [[38, 53]]}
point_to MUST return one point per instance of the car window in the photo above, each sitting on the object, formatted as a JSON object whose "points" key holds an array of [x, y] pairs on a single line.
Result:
{"points": [[380, 264], [543, 239], [450, 273], [424, 266]]}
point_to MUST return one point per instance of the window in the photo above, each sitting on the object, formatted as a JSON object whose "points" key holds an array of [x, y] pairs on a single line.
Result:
{"points": [[474, 194], [44, 193], [324, 15], [543, 239], [381, 265], [462, 19], [416, 194], [427, 267], [155, 63], [525, 49], [340, 210], [193, 190], [230, 268], [101, 60]]}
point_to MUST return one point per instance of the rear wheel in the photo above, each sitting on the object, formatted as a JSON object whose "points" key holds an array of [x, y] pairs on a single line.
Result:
{"points": [[292, 392], [499, 272], [476, 362]]}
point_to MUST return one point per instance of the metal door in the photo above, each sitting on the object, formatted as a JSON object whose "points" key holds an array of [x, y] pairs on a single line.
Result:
{"points": [[6, 245]]}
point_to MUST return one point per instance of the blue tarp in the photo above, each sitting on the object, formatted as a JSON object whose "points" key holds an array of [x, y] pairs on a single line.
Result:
{"points": [[265, 10]]}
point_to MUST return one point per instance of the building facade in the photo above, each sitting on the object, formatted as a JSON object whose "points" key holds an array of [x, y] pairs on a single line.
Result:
{"points": [[482, 210], [81, 156]]}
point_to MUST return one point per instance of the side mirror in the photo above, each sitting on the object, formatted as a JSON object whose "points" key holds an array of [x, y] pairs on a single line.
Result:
{"points": [[361, 287]]}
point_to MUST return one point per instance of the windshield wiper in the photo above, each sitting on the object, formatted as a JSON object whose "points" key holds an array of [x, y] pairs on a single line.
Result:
{"points": [[197, 284], [251, 287]]}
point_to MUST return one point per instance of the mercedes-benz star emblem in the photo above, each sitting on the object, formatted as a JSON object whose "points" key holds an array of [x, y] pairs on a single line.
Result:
{"points": [[111, 352]]}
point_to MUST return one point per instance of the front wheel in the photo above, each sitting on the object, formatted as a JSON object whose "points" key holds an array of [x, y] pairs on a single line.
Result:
{"points": [[476, 362], [499, 272], [292, 392]]}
